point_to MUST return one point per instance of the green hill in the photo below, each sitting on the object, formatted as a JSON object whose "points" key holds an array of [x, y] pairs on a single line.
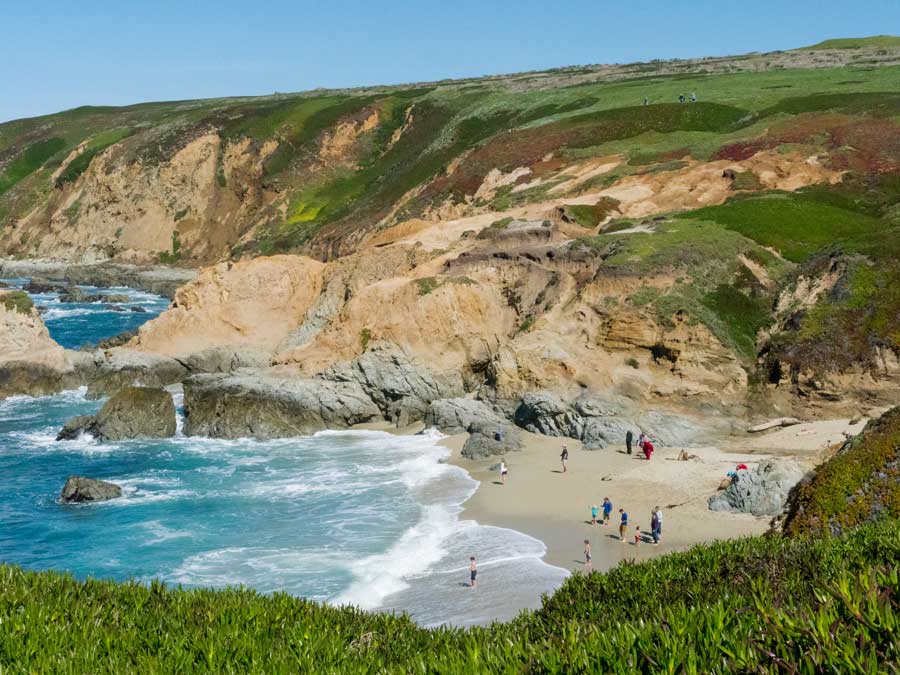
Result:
{"points": [[876, 41]]}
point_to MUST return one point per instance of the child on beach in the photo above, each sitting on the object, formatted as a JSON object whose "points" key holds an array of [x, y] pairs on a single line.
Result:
{"points": [[587, 554], [594, 511], [473, 571], [607, 510], [637, 535], [564, 458], [503, 472], [623, 525]]}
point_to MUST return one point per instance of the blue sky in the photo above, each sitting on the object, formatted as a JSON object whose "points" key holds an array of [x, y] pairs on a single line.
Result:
{"points": [[59, 55]]}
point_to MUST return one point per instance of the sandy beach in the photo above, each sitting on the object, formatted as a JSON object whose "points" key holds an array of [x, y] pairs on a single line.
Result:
{"points": [[539, 500]]}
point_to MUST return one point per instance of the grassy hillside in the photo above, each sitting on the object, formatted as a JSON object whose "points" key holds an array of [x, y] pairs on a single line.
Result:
{"points": [[859, 484], [400, 141], [754, 605]]}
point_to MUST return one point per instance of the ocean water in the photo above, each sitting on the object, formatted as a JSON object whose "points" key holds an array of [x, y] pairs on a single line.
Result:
{"points": [[346, 517]]}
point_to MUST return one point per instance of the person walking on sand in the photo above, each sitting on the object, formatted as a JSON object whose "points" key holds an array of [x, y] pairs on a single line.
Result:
{"points": [[637, 535], [654, 526], [564, 458], [587, 555], [594, 511], [629, 439], [607, 510], [473, 572], [641, 440], [623, 525], [648, 449], [503, 472], [658, 512]]}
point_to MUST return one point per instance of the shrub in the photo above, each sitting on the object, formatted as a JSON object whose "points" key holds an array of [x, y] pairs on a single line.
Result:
{"points": [[16, 301]]}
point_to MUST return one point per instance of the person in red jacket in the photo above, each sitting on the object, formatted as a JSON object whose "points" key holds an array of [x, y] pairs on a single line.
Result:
{"points": [[648, 449]]}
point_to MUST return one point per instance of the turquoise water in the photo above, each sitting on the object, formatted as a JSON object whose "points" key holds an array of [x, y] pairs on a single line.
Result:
{"points": [[359, 517]]}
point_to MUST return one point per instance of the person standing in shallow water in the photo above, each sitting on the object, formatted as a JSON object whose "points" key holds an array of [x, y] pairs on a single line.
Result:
{"points": [[473, 572], [564, 458]]}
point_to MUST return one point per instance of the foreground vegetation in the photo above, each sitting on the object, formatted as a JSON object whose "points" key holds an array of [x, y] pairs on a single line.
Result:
{"points": [[755, 605]]}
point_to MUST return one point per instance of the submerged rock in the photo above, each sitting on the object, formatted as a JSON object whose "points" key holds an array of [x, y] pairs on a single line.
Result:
{"points": [[762, 491], [80, 489], [272, 406], [134, 412]]}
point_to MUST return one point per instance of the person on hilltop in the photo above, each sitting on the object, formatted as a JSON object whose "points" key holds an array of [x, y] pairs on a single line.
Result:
{"points": [[623, 525], [693, 97], [646, 101], [629, 439], [607, 510], [564, 458], [473, 572], [681, 98]]}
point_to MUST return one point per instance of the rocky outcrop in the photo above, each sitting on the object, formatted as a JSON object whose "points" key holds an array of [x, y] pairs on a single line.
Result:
{"points": [[80, 489], [486, 440], [31, 362], [115, 369], [272, 406], [489, 433], [458, 415], [225, 360], [134, 412], [762, 491], [401, 388], [56, 277], [598, 422], [254, 303]]}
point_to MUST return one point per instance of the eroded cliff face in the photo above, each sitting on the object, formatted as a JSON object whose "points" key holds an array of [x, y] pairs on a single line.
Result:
{"points": [[134, 210]]}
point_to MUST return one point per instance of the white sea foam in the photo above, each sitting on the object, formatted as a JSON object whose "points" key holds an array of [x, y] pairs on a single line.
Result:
{"points": [[161, 533]]}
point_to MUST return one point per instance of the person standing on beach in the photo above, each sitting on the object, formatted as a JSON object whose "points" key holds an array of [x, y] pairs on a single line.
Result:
{"points": [[658, 512], [473, 572], [564, 458], [629, 439], [637, 535], [594, 511], [654, 526], [587, 555], [607, 510], [503, 472], [623, 525]]}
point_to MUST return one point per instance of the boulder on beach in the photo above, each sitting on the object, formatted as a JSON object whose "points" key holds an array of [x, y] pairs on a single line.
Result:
{"points": [[80, 489], [762, 491], [487, 440], [133, 412], [457, 415]]}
